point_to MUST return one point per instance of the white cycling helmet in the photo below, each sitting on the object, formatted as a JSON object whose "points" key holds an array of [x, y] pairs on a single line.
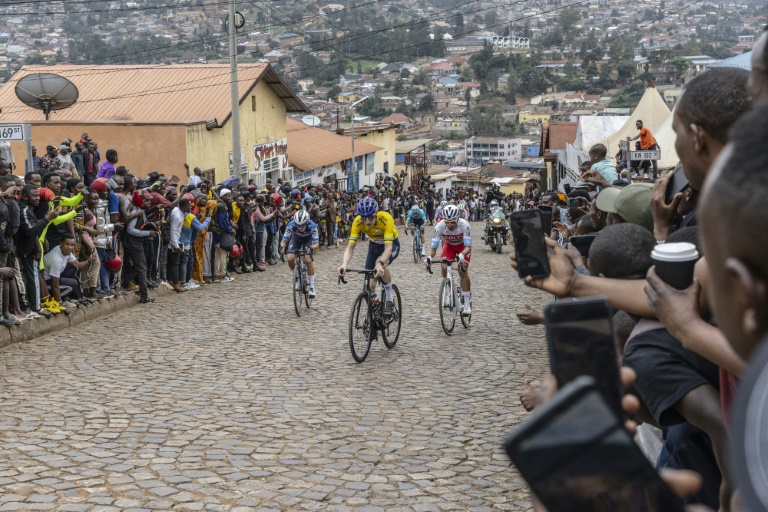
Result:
{"points": [[443, 203], [451, 213], [301, 218]]}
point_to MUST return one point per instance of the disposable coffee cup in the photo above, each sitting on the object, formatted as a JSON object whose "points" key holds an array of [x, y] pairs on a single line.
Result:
{"points": [[675, 263]]}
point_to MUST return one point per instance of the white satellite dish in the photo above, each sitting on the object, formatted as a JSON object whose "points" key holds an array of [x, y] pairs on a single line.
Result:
{"points": [[311, 120], [46, 92]]}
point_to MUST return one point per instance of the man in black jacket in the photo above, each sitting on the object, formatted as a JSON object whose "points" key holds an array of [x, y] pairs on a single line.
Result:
{"points": [[28, 250]]}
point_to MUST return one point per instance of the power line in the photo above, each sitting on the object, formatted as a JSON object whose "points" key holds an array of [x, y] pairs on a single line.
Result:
{"points": [[96, 11], [150, 92]]}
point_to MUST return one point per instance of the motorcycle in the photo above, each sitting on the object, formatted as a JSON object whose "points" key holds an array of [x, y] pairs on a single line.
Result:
{"points": [[496, 230]]}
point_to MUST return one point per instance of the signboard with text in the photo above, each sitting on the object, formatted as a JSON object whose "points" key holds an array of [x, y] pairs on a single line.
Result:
{"points": [[645, 155], [12, 132]]}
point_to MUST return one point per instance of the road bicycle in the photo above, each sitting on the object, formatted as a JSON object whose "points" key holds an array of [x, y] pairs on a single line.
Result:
{"points": [[416, 243], [367, 317], [300, 282], [451, 298]]}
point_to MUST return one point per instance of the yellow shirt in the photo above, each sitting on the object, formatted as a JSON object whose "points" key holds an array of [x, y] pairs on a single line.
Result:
{"points": [[383, 232]]}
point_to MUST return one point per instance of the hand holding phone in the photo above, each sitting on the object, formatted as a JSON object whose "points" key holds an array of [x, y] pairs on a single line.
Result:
{"points": [[530, 247], [581, 342], [576, 455]]}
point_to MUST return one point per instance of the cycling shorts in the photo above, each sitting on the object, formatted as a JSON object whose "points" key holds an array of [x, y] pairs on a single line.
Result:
{"points": [[297, 243], [419, 223], [451, 251], [376, 250]]}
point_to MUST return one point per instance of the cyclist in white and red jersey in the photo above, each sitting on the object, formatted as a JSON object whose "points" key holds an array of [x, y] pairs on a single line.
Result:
{"points": [[454, 233]]}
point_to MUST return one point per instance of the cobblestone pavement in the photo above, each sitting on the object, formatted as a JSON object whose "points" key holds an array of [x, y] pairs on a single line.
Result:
{"points": [[222, 399]]}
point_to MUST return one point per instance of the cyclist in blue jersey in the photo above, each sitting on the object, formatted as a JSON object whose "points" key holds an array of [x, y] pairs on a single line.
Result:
{"points": [[301, 232], [416, 219]]}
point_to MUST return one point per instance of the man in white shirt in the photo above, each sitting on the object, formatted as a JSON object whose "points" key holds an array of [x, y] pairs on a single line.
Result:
{"points": [[66, 160], [61, 271]]}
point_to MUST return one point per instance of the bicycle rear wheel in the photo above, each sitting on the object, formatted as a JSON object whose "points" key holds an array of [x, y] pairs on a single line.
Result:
{"points": [[465, 320], [447, 310], [296, 285], [361, 328], [391, 330]]}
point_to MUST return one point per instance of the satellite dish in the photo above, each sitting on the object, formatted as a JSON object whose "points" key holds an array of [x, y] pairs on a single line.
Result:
{"points": [[46, 92], [311, 120]]}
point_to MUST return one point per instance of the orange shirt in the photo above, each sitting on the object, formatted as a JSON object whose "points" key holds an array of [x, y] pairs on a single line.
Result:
{"points": [[646, 138]]}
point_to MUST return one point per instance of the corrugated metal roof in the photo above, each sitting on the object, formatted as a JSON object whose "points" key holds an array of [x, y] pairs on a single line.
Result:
{"points": [[136, 93], [560, 133], [310, 148]]}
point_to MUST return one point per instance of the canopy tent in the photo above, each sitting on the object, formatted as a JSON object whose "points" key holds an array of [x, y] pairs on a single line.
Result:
{"points": [[651, 109], [743, 61], [593, 129], [665, 138]]}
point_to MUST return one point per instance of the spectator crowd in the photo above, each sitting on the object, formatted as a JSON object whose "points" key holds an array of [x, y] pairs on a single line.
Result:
{"points": [[684, 352]]}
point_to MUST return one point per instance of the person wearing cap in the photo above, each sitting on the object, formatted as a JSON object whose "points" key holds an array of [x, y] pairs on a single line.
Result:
{"points": [[66, 159], [629, 204]]}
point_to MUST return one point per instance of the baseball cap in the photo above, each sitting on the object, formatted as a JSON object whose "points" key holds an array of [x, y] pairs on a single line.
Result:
{"points": [[63, 147], [632, 203], [606, 198]]}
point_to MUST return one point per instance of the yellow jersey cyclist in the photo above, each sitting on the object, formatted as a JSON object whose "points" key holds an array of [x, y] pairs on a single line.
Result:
{"points": [[383, 249]]}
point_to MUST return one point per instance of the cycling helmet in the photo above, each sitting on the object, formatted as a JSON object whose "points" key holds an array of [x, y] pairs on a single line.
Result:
{"points": [[443, 203], [462, 205], [451, 213], [494, 203], [415, 208], [367, 207], [301, 218]]}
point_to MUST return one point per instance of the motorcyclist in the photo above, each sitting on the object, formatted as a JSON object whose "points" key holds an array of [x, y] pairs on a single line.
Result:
{"points": [[494, 194], [493, 207]]}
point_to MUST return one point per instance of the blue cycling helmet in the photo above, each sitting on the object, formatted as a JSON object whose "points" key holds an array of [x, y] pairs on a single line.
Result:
{"points": [[367, 207], [415, 208]]}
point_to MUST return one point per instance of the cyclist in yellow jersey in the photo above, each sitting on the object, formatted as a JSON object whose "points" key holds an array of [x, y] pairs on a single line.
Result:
{"points": [[383, 249]]}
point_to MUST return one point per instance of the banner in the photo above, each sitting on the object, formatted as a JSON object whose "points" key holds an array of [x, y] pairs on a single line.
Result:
{"points": [[277, 149]]}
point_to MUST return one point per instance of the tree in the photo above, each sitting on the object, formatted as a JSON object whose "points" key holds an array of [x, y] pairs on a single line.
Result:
{"points": [[399, 88], [404, 73], [334, 92], [458, 24], [485, 120], [421, 77], [307, 64], [679, 67], [567, 21], [490, 19], [426, 103], [626, 71]]}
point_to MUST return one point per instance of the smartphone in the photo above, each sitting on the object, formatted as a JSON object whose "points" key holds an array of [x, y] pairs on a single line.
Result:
{"points": [[678, 183], [529, 243], [576, 455], [582, 243], [581, 342], [567, 188], [546, 219]]}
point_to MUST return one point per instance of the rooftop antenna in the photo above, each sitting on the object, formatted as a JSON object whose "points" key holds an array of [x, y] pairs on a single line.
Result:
{"points": [[46, 92]]}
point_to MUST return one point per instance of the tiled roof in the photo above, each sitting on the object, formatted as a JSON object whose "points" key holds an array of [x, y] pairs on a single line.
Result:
{"points": [[145, 93], [560, 133], [310, 148]]}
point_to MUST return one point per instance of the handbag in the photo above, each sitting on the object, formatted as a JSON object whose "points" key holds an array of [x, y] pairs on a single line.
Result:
{"points": [[227, 241]]}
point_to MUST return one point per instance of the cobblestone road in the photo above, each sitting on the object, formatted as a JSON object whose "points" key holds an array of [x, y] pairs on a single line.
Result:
{"points": [[221, 399]]}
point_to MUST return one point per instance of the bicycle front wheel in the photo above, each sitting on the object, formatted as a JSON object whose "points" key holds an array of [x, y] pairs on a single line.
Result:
{"points": [[298, 293], [416, 250], [361, 328], [305, 289], [447, 310], [391, 330]]}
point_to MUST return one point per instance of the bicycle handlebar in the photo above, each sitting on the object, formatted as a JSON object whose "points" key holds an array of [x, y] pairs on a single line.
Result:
{"points": [[356, 271], [447, 262]]}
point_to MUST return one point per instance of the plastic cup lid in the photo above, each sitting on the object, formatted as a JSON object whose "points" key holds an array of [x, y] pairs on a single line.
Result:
{"points": [[681, 251]]}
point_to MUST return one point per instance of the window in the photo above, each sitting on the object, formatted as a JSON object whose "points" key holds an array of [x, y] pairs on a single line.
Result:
{"points": [[210, 175], [270, 164], [253, 103]]}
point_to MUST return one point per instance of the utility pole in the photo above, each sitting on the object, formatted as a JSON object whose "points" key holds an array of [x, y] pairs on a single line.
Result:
{"points": [[354, 164], [236, 164]]}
